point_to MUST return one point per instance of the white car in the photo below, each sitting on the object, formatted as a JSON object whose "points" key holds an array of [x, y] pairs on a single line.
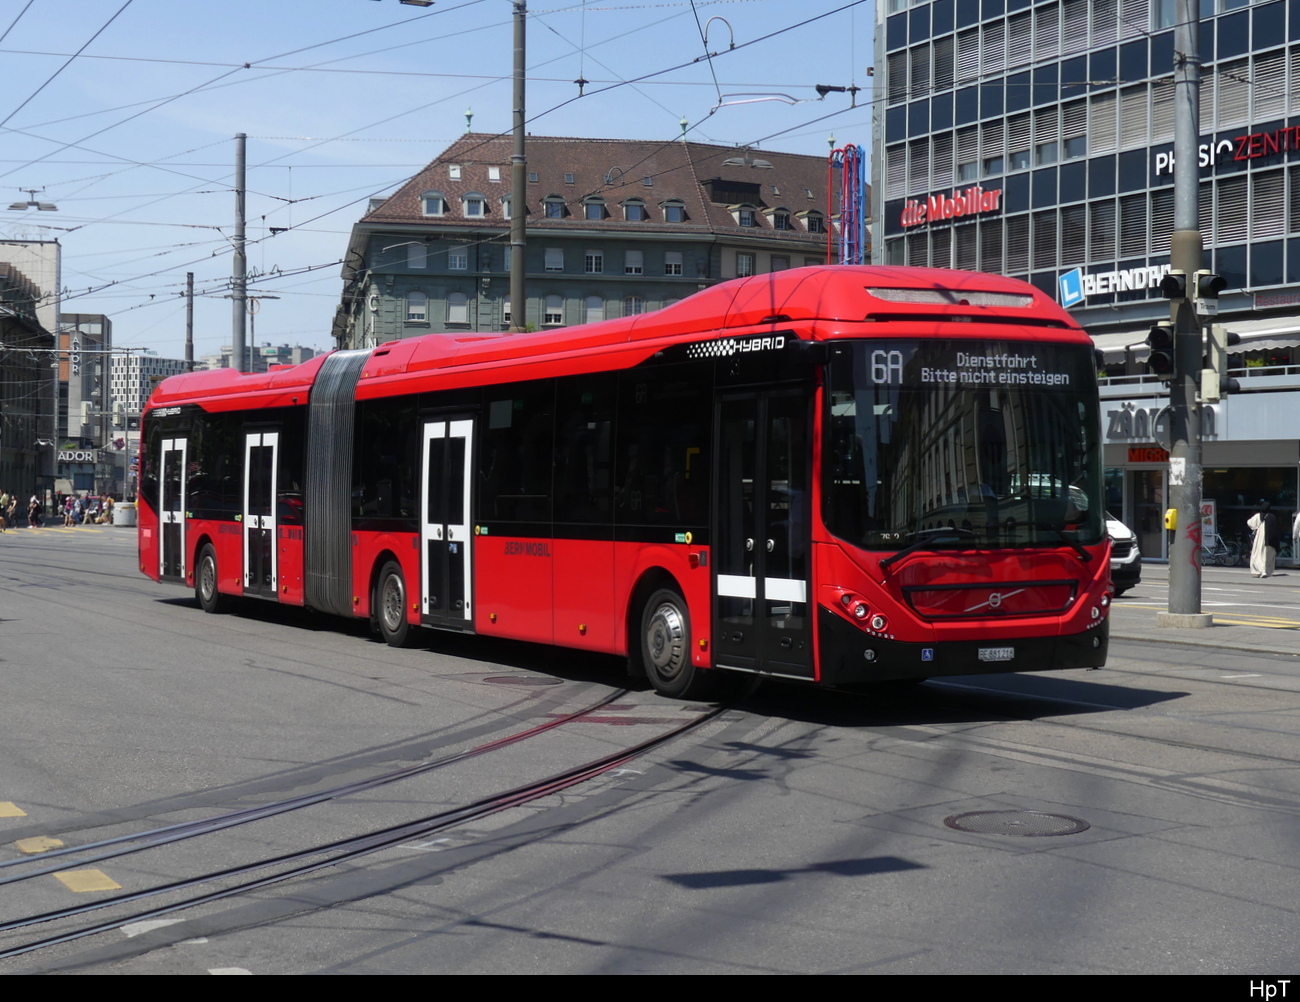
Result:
{"points": [[1125, 559]]}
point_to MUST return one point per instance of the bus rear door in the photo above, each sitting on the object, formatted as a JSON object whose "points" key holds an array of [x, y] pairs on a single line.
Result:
{"points": [[260, 470], [446, 568]]}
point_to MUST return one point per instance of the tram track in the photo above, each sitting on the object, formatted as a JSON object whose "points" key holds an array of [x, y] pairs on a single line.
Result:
{"points": [[304, 861]]}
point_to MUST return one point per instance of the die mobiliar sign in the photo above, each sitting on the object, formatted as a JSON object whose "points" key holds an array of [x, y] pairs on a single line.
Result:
{"points": [[967, 202]]}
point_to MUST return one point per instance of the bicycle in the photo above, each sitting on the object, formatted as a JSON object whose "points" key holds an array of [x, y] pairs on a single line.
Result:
{"points": [[1215, 552]]}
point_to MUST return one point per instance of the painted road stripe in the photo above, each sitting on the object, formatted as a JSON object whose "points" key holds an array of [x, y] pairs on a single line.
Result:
{"points": [[1248, 675], [87, 880], [8, 809], [38, 844], [229, 970], [132, 929]]}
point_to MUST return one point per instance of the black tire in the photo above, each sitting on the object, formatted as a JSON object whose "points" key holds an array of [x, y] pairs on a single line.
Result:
{"points": [[665, 648], [390, 606], [1121, 589], [205, 582]]}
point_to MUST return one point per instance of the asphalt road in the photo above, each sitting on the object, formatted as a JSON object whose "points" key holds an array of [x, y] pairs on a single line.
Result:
{"points": [[800, 831]]}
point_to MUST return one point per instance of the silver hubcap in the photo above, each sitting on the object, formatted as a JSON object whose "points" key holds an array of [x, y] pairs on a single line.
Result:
{"points": [[393, 604], [666, 640], [208, 578]]}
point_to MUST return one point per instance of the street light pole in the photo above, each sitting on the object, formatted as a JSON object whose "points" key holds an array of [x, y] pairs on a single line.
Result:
{"points": [[1185, 257], [518, 185]]}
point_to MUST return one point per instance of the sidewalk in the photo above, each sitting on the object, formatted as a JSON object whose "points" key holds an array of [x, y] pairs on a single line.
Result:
{"points": [[1254, 614]]}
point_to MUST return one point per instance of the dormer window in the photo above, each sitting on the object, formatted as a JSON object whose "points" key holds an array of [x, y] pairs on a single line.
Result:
{"points": [[434, 203], [781, 220], [505, 207], [745, 215], [674, 212], [594, 209], [475, 205], [554, 206], [634, 211], [815, 222]]}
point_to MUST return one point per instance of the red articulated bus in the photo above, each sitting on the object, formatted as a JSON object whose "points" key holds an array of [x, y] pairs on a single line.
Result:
{"points": [[839, 475]]}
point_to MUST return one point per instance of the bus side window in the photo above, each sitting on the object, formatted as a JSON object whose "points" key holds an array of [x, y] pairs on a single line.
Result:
{"points": [[515, 455], [584, 449]]}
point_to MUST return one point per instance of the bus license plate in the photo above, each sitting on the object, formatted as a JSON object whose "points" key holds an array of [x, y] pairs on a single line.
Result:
{"points": [[997, 653]]}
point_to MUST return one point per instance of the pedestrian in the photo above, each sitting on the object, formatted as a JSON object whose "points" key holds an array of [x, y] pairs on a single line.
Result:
{"points": [[1263, 547], [4, 511], [34, 512], [1295, 539]]}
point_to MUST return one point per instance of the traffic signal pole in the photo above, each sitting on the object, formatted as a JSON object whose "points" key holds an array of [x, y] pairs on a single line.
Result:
{"points": [[1185, 256]]}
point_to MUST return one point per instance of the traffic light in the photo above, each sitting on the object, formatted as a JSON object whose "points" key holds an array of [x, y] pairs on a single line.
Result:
{"points": [[1174, 285], [1205, 292], [1214, 378], [1160, 362]]}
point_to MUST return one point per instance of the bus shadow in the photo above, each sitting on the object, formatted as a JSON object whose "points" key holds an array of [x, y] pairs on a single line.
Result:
{"points": [[954, 700], [957, 699]]}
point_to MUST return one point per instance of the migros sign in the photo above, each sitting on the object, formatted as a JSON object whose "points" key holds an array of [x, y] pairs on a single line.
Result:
{"points": [[968, 202]]}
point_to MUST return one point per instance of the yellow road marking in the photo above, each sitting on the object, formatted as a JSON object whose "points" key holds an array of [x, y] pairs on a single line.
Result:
{"points": [[38, 844], [1237, 618], [8, 809], [87, 880]]}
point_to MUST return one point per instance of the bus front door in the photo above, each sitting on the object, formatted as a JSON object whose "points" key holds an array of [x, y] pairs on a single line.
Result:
{"points": [[446, 568], [762, 620], [171, 551], [260, 469]]}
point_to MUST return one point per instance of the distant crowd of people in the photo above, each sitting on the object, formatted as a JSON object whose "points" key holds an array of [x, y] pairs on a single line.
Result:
{"points": [[74, 509]]}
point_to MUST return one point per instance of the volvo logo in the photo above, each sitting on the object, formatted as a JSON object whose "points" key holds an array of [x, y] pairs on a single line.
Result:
{"points": [[995, 600]]}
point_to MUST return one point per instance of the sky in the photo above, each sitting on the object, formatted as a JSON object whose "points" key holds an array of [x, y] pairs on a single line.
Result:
{"points": [[123, 113]]}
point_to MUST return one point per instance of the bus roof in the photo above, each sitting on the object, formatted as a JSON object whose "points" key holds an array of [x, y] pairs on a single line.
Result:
{"points": [[834, 294]]}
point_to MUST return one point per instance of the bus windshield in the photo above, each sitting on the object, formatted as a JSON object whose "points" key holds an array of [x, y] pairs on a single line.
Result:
{"points": [[994, 441]]}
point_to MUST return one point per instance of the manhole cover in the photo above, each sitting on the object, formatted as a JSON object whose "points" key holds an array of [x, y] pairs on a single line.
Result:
{"points": [[1022, 823], [523, 680]]}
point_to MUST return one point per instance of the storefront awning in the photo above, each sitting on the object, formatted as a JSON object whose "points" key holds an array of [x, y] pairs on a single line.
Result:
{"points": [[1256, 335]]}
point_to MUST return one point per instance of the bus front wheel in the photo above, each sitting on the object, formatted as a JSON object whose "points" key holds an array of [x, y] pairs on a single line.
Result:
{"points": [[390, 606], [205, 582], [666, 647]]}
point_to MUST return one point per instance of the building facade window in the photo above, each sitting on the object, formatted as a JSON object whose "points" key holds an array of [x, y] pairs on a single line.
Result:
{"points": [[554, 258], [745, 216], [780, 263], [815, 222], [632, 305], [554, 207], [634, 211], [457, 259], [744, 265], [505, 207], [672, 262], [475, 206], [674, 212], [594, 209], [780, 220], [417, 256], [593, 262], [457, 308], [433, 203], [417, 308], [633, 262], [554, 312], [594, 311]]}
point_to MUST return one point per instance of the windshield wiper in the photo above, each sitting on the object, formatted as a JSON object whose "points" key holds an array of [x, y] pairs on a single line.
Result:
{"points": [[928, 538], [1070, 539]]}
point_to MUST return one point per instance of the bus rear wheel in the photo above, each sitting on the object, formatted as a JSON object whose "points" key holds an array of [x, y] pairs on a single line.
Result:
{"points": [[205, 582], [390, 606]]}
